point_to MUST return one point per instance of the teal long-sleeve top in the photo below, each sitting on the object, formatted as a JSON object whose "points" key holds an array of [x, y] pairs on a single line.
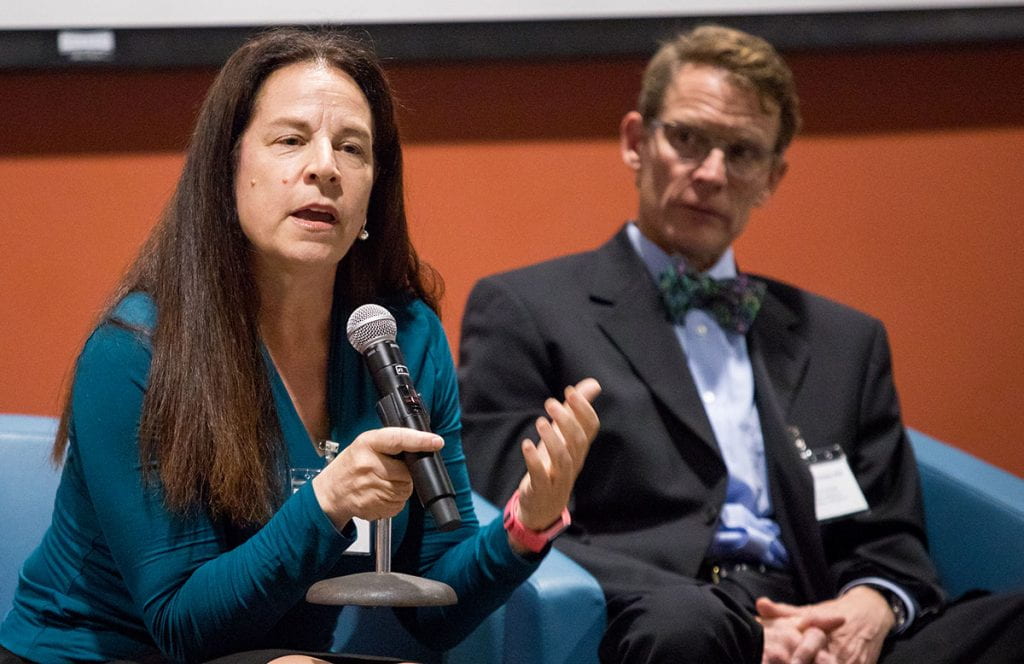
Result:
{"points": [[118, 576]]}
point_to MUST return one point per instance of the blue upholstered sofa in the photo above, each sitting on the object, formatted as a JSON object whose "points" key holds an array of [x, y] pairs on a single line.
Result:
{"points": [[975, 518], [975, 515]]}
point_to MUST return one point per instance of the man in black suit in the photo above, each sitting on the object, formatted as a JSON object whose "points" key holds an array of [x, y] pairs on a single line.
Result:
{"points": [[727, 398]]}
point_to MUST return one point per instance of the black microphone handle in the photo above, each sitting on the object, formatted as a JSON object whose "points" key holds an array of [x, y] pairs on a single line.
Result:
{"points": [[400, 406]]}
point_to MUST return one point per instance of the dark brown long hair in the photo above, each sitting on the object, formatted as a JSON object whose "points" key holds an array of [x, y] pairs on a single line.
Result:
{"points": [[208, 419]]}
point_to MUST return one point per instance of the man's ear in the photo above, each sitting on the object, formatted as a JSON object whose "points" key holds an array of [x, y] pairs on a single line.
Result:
{"points": [[778, 170], [631, 139]]}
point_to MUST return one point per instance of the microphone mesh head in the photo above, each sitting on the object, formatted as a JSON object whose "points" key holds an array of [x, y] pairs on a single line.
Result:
{"points": [[370, 324]]}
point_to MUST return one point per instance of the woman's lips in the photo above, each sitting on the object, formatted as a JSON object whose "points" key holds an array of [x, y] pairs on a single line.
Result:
{"points": [[308, 214]]}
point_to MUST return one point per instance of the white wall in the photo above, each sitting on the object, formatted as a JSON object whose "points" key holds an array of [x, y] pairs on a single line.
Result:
{"points": [[58, 14]]}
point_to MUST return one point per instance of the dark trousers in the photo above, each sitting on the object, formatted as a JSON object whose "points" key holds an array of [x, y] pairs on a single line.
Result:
{"points": [[988, 629], [711, 623]]}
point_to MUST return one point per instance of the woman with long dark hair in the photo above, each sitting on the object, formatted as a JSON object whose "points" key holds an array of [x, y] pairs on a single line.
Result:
{"points": [[221, 363]]}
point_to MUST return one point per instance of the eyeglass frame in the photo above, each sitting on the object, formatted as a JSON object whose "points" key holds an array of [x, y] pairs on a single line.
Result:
{"points": [[763, 159]]}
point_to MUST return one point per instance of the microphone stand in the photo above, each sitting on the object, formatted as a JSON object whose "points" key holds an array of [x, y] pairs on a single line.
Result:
{"points": [[381, 587]]}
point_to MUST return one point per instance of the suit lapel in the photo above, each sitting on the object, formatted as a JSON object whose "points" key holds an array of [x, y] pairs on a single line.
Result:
{"points": [[779, 359], [783, 352], [626, 301]]}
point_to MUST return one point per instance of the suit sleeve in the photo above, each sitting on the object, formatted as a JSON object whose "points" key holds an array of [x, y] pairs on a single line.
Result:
{"points": [[522, 342], [889, 541], [504, 381]]}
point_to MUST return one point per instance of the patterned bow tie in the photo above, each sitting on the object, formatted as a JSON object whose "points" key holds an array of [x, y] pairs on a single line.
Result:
{"points": [[733, 302]]}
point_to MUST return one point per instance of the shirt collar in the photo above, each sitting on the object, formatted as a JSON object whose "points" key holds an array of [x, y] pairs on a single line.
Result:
{"points": [[657, 261]]}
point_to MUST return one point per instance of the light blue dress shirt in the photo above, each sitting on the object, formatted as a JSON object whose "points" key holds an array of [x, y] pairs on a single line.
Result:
{"points": [[720, 365]]}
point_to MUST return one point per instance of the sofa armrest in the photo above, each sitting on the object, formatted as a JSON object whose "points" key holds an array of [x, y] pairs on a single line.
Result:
{"points": [[28, 484], [974, 513], [556, 617]]}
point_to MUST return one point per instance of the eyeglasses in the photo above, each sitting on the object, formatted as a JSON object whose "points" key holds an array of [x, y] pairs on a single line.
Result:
{"points": [[743, 159]]}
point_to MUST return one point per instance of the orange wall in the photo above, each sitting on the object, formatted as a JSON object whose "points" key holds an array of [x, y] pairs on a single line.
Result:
{"points": [[903, 199]]}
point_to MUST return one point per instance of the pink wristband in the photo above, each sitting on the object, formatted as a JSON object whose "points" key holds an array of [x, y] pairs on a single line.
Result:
{"points": [[532, 540]]}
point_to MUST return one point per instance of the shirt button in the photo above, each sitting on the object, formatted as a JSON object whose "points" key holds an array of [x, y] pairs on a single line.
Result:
{"points": [[702, 330], [708, 397]]}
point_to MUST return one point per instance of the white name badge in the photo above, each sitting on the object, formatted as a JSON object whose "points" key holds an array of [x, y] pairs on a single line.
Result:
{"points": [[836, 492], [362, 544]]}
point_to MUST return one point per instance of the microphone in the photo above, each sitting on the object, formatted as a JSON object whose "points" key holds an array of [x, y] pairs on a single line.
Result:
{"points": [[371, 330]]}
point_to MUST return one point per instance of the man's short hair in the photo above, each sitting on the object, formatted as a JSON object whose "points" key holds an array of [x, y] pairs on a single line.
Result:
{"points": [[752, 62]]}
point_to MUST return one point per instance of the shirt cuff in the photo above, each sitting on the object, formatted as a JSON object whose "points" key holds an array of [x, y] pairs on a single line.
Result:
{"points": [[909, 605]]}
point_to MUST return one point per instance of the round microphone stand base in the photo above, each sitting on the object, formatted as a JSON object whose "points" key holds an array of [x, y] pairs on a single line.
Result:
{"points": [[381, 589]]}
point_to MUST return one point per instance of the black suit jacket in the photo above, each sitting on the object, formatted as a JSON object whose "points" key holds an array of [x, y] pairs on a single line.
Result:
{"points": [[647, 501]]}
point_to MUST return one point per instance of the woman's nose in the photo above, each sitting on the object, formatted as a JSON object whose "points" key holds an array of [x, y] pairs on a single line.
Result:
{"points": [[322, 167]]}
